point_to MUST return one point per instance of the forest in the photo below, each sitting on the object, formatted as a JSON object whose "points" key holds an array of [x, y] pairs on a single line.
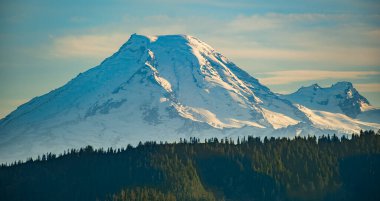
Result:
{"points": [[309, 168]]}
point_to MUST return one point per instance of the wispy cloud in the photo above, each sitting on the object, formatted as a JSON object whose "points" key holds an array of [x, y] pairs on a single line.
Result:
{"points": [[326, 56], [316, 39], [259, 22], [92, 45], [212, 3], [369, 87], [287, 77]]}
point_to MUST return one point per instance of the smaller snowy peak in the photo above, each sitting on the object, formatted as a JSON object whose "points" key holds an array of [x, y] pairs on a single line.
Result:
{"points": [[340, 97], [339, 86]]}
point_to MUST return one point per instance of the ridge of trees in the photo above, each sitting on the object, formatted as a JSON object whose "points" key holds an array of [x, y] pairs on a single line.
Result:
{"points": [[304, 168]]}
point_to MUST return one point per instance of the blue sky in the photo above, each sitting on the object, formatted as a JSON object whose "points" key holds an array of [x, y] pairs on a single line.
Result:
{"points": [[286, 44]]}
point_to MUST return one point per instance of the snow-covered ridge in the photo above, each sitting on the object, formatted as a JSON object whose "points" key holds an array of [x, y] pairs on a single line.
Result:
{"points": [[341, 97], [164, 88]]}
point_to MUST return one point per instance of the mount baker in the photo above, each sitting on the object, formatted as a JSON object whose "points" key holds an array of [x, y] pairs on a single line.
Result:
{"points": [[168, 87]]}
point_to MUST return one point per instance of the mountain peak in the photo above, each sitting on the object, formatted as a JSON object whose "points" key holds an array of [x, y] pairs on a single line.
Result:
{"points": [[340, 97], [177, 41], [152, 38], [341, 86]]}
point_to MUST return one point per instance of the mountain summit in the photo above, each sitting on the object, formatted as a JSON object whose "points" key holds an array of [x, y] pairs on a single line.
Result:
{"points": [[159, 88], [341, 97]]}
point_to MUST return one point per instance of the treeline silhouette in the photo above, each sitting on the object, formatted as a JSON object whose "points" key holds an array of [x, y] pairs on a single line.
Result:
{"points": [[304, 168]]}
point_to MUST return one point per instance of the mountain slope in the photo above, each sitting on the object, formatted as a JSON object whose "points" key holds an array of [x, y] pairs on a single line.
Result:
{"points": [[154, 88]]}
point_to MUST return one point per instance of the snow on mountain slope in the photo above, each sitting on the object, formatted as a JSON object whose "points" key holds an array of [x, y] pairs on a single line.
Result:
{"points": [[341, 97], [155, 88], [337, 122]]}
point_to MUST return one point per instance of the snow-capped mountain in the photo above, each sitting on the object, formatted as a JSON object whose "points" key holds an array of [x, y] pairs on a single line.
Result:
{"points": [[159, 88], [341, 97]]}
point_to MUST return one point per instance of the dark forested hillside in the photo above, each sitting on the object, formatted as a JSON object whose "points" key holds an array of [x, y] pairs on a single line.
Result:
{"points": [[326, 168]]}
